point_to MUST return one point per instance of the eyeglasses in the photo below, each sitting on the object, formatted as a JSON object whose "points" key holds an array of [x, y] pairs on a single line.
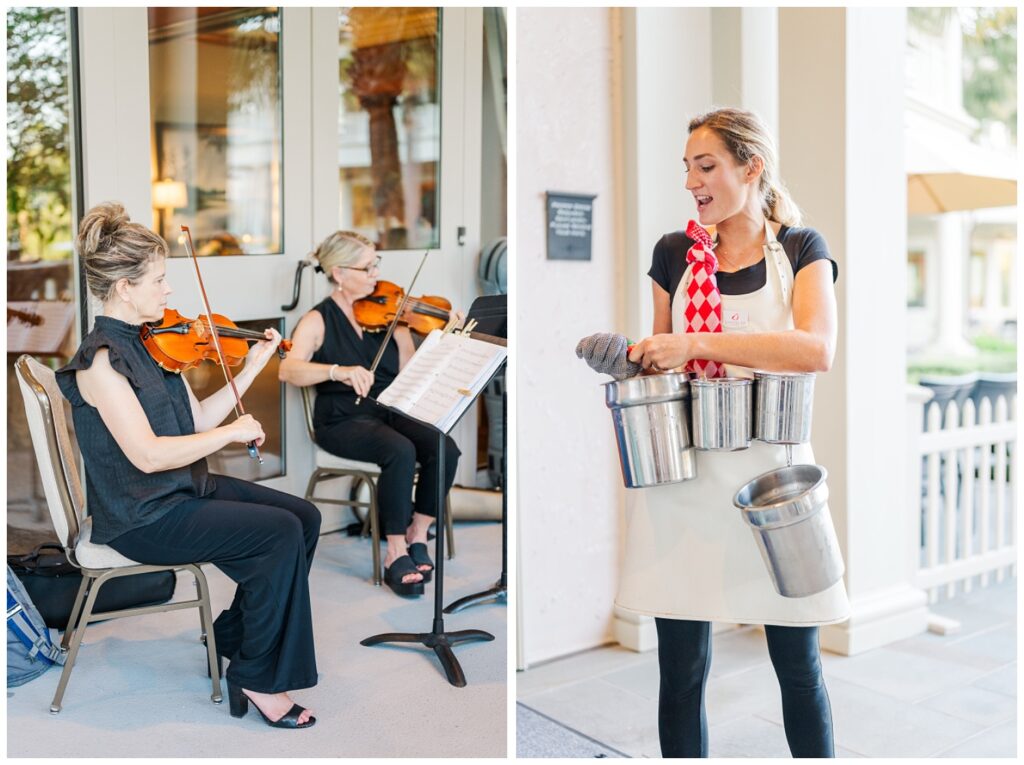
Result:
{"points": [[366, 269]]}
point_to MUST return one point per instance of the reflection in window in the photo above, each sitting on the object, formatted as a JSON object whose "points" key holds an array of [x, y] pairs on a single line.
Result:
{"points": [[40, 276], [215, 104], [389, 125], [264, 401]]}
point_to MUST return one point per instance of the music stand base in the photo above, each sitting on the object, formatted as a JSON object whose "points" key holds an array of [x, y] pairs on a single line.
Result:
{"points": [[498, 592], [440, 642]]}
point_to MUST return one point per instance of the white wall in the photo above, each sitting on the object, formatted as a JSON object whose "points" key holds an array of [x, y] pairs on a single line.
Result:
{"points": [[569, 485]]}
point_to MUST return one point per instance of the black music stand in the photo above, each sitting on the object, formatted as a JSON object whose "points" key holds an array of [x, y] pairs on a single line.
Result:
{"points": [[437, 639], [491, 314]]}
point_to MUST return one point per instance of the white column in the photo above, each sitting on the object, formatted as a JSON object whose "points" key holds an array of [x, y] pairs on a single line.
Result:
{"points": [[841, 117], [953, 244], [745, 47], [657, 103]]}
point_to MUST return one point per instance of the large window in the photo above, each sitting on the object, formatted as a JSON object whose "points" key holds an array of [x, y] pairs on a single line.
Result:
{"points": [[215, 102], [40, 273], [389, 125]]}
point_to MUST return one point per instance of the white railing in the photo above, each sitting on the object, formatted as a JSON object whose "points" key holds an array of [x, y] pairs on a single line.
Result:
{"points": [[965, 463]]}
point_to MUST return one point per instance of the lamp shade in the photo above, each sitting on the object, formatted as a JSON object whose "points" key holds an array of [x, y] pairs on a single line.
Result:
{"points": [[169, 195]]}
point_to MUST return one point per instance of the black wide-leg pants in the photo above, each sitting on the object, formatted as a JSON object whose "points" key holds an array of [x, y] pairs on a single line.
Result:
{"points": [[264, 541], [396, 444]]}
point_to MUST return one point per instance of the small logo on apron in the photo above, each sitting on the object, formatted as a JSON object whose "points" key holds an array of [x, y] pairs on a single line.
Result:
{"points": [[734, 319]]}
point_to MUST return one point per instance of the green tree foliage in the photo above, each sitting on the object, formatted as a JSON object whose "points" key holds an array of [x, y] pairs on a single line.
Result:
{"points": [[38, 140], [990, 64]]}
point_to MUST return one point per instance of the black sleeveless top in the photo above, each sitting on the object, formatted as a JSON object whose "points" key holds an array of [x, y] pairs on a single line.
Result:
{"points": [[120, 496], [336, 401]]}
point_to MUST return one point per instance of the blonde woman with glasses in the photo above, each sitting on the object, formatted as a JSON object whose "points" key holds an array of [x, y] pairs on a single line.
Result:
{"points": [[331, 351]]}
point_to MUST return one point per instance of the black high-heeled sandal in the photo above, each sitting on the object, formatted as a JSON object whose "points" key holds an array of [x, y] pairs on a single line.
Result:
{"points": [[420, 556], [239, 706]]}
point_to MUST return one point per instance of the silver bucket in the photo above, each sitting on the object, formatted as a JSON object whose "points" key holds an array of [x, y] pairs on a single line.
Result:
{"points": [[787, 509], [784, 402], [722, 413], [651, 418]]}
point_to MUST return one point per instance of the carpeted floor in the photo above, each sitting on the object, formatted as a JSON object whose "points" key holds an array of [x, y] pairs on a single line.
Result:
{"points": [[139, 688]]}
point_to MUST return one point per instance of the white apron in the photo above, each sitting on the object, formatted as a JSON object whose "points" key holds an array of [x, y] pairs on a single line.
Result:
{"points": [[689, 553]]}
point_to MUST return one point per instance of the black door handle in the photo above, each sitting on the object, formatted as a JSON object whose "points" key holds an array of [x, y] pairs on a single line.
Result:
{"points": [[295, 289]]}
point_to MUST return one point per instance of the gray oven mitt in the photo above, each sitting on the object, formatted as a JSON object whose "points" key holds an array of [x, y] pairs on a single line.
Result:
{"points": [[605, 352]]}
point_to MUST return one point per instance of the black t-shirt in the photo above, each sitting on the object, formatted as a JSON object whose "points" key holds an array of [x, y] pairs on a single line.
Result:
{"points": [[803, 246], [336, 400]]}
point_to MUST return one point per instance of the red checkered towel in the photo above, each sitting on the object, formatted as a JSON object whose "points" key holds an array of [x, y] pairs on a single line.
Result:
{"points": [[704, 302]]}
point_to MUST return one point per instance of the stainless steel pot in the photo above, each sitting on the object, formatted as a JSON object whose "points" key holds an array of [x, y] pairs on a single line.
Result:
{"points": [[787, 510], [782, 414], [652, 429], [722, 409]]}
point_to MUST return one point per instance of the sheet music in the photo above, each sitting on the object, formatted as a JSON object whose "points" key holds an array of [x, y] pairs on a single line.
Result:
{"points": [[443, 377]]}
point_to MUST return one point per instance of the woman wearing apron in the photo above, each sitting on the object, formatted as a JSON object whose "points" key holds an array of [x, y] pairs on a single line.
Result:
{"points": [[690, 559]]}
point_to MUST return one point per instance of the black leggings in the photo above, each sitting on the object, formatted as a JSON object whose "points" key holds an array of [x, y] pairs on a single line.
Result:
{"points": [[264, 540], [396, 444], [684, 657]]}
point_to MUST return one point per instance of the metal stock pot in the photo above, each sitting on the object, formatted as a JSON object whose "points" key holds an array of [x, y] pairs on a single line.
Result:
{"points": [[650, 414], [784, 402], [787, 510], [722, 409]]}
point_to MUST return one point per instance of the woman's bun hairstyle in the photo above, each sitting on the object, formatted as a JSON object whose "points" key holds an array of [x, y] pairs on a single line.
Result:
{"points": [[112, 248]]}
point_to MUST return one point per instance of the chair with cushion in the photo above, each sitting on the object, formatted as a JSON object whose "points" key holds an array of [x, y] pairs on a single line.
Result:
{"points": [[328, 466], [47, 413]]}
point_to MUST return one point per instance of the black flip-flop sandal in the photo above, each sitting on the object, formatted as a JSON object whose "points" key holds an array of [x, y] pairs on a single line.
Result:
{"points": [[402, 567], [419, 555]]}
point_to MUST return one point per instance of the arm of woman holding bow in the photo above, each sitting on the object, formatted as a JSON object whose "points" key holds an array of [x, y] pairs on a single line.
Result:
{"points": [[211, 411]]}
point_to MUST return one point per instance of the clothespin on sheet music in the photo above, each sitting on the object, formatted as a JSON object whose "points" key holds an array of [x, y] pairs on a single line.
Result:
{"points": [[470, 326], [453, 322]]}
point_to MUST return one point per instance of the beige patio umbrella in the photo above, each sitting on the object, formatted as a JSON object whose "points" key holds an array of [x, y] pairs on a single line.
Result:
{"points": [[958, 176]]}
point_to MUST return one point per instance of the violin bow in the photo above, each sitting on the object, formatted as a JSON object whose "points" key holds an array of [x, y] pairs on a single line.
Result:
{"points": [[254, 452], [394, 321]]}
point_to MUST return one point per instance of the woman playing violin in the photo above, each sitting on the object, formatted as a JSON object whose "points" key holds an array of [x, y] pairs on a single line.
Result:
{"points": [[144, 437], [330, 350]]}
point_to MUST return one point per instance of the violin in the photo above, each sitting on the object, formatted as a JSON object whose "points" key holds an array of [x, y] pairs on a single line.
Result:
{"points": [[422, 315], [177, 343]]}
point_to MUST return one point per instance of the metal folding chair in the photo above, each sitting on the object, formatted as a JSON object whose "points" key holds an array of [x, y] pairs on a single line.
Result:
{"points": [[52, 441]]}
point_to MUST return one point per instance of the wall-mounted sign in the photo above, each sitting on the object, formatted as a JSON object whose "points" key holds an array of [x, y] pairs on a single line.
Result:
{"points": [[570, 223]]}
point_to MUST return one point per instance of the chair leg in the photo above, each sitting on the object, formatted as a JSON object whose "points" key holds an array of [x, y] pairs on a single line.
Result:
{"points": [[373, 516], [449, 528], [76, 642], [206, 618], [313, 481], [76, 609], [357, 482]]}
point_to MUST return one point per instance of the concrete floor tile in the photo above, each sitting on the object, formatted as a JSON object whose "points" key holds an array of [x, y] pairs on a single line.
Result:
{"points": [[604, 712], [904, 676], [739, 695], [1000, 741], [1002, 681], [738, 650], [876, 725], [572, 669], [642, 678], [945, 648], [999, 644], [747, 737], [975, 704]]}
